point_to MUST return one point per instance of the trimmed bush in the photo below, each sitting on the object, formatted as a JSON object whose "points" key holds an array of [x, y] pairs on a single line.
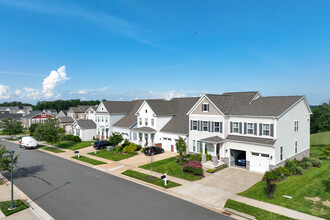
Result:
{"points": [[71, 137], [316, 162], [307, 164], [138, 147], [283, 170], [271, 176], [130, 148], [292, 166], [194, 167], [300, 170], [195, 157]]}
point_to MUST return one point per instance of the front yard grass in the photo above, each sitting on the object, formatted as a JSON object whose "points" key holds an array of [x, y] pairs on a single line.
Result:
{"points": [[254, 211], [54, 150], [72, 145], [315, 182], [111, 155], [88, 160], [156, 181], [20, 205], [170, 167]]}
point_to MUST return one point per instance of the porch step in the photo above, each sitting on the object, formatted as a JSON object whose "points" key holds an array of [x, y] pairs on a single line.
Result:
{"points": [[209, 165]]}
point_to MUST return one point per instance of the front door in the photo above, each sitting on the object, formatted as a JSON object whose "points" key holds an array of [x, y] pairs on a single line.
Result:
{"points": [[218, 151]]}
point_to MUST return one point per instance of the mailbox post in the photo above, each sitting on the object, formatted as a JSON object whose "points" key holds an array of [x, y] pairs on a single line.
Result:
{"points": [[164, 177], [77, 152]]}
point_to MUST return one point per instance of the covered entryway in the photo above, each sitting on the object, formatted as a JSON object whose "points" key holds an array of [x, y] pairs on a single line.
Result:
{"points": [[213, 146], [259, 162], [240, 155]]}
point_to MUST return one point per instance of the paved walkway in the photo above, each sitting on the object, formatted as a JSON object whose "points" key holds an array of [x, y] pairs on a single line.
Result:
{"points": [[275, 208]]}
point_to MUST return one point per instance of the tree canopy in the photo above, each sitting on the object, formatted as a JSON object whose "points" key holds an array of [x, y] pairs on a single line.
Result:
{"points": [[115, 139], [5, 160], [50, 131], [320, 119], [11, 127], [62, 104]]}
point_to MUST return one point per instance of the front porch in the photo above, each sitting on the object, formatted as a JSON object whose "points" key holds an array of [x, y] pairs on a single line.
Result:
{"points": [[213, 146], [146, 136]]}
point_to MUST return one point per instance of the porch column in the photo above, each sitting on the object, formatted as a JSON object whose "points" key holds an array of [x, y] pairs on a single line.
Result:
{"points": [[203, 154]]}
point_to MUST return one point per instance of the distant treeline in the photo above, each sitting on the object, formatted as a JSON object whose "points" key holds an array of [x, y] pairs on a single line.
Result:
{"points": [[57, 104], [320, 119]]}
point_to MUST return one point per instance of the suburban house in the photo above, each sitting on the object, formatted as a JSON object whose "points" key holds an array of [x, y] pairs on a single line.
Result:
{"points": [[6, 114], [62, 113], [85, 129], [78, 112], [65, 123], [16, 109], [90, 113], [35, 117], [264, 130], [52, 112]]}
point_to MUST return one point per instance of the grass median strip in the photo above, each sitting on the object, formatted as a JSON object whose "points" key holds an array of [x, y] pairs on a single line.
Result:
{"points": [[88, 160], [54, 150], [20, 205], [73, 145], [155, 180], [112, 155], [254, 211]]}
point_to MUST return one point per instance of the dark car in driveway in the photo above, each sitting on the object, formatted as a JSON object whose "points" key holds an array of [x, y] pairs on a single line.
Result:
{"points": [[102, 144], [150, 151], [240, 160]]}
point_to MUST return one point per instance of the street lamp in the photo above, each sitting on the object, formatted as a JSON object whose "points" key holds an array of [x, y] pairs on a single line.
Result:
{"points": [[12, 204]]}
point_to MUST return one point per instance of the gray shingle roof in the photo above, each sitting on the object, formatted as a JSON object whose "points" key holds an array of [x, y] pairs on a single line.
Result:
{"points": [[118, 107], [5, 114], [250, 139], [130, 119], [146, 129], [86, 124], [32, 114], [214, 139], [163, 107], [80, 108], [65, 120]]}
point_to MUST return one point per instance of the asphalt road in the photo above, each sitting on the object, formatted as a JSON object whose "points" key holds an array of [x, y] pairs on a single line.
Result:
{"points": [[67, 190]]}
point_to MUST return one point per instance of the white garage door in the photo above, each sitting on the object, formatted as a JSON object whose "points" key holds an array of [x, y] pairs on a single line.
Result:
{"points": [[259, 162]]}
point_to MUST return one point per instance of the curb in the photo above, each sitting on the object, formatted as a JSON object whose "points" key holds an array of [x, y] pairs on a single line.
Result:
{"points": [[34, 207], [240, 213]]}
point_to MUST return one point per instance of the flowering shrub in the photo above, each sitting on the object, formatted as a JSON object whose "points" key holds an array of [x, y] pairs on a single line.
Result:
{"points": [[194, 167]]}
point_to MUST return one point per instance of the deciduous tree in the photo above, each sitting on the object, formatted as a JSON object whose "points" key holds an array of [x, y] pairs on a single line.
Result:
{"points": [[11, 127]]}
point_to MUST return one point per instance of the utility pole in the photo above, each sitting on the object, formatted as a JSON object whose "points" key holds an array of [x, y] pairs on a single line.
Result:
{"points": [[12, 204]]}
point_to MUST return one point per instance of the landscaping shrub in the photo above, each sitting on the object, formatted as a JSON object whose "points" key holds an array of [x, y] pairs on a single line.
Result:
{"points": [[194, 167], [130, 148], [283, 170], [300, 170], [326, 151], [184, 159], [315, 162], [195, 157], [307, 164], [126, 143], [270, 188], [271, 176], [292, 166], [138, 147], [142, 150], [71, 137], [208, 157]]}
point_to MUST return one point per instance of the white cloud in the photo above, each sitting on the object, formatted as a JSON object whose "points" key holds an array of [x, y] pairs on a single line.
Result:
{"points": [[5, 92], [55, 78], [31, 93], [121, 99], [18, 92], [167, 95], [82, 92]]}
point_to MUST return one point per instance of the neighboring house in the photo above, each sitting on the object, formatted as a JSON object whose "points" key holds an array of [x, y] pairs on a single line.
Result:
{"points": [[78, 112], [17, 109], [62, 113], [85, 129], [6, 114], [266, 130], [65, 123], [35, 117], [90, 113], [52, 112]]}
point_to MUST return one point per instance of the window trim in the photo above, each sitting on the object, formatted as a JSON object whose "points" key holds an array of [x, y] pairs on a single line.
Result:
{"points": [[249, 129], [265, 130], [146, 121], [235, 123], [207, 107], [152, 122], [296, 147], [207, 126], [194, 125], [296, 126], [216, 128], [140, 121]]}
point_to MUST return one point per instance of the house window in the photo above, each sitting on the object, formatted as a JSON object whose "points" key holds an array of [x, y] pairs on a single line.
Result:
{"points": [[205, 123], [205, 107], [199, 146], [140, 121], [194, 145], [235, 127], [102, 118], [216, 126], [265, 129], [106, 119], [255, 154], [250, 128], [281, 153], [146, 122], [194, 125], [295, 126], [140, 137], [76, 115], [146, 111], [152, 122], [295, 147]]}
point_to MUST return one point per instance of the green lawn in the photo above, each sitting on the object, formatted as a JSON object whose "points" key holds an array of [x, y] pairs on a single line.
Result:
{"points": [[156, 181], [315, 182], [12, 139], [170, 167], [88, 160], [250, 210], [72, 145], [20, 205], [54, 150], [320, 138], [111, 155]]}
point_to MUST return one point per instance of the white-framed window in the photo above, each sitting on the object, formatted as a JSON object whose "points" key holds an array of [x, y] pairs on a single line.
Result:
{"points": [[255, 154], [205, 107], [152, 122], [205, 125], [43, 115], [216, 126], [235, 127], [146, 121], [140, 121], [250, 128], [295, 147], [295, 126], [194, 125], [281, 153], [194, 145], [265, 129], [146, 111], [199, 146], [102, 118]]}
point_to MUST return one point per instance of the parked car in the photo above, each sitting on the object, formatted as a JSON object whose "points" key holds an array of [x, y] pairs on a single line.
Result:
{"points": [[102, 144], [149, 151], [28, 142], [240, 160]]}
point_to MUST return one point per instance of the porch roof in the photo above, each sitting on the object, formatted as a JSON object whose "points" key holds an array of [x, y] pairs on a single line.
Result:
{"points": [[255, 140], [213, 140], [145, 129]]}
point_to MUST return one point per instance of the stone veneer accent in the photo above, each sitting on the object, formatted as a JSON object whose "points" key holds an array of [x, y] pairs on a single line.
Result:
{"points": [[299, 156]]}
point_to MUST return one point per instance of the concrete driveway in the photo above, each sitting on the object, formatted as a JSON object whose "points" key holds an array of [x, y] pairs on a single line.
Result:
{"points": [[215, 189]]}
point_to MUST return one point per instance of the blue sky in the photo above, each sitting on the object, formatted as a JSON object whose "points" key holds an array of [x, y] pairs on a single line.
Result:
{"points": [[122, 50]]}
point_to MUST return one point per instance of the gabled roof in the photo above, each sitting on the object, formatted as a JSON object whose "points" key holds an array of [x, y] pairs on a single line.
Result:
{"points": [[51, 110], [213, 139], [163, 107], [5, 114], [32, 114], [146, 129], [118, 107], [65, 120], [80, 108], [64, 112], [86, 124], [130, 119]]}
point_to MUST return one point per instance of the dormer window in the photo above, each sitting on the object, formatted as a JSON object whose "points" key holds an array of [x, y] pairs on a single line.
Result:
{"points": [[43, 115], [205, 107], [146, 111]]}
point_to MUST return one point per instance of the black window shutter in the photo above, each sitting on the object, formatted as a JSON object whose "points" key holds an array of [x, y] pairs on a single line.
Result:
{"points": [[191, 124], [240, 127], [245, 128], [255, 128], [231, 127], [220, 127], [212, 126], [197, 125], [209, 126], [201, 126], [272, 130], [260, 129], [208, 107]]}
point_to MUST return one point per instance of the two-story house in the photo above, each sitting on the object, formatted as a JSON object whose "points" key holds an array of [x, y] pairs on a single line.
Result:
{"points": [[90, 113], [35, 117], [77, 113], [265, 130]]}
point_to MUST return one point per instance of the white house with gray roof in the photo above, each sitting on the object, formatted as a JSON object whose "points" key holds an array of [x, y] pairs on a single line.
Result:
{"points": [[85, 129], [266, 130]]}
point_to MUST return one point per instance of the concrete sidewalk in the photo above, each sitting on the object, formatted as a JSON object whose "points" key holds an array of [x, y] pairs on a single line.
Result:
{"points": [[275, 208]]}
